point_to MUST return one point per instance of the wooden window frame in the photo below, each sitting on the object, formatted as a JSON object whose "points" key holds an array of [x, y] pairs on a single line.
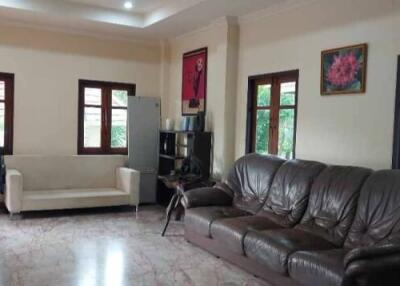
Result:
{"points": [[275, 79], [106, 116], [8, 78]]}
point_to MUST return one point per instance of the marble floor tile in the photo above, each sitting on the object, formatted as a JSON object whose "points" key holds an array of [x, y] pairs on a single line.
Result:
{"points": [[96, 248]]}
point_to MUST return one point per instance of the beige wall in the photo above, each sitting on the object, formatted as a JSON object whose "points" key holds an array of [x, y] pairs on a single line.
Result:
{"points": [[339, 129], [47, 66], [220, 38], [396, 10], [354, 129]]}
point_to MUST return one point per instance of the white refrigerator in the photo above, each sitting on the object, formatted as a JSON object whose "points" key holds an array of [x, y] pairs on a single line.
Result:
{"points": [[143, 143]]}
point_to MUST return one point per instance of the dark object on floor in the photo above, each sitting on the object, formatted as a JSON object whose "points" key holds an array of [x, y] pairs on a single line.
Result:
{"points": [[301, 222], [180, 187], [191, 176]]}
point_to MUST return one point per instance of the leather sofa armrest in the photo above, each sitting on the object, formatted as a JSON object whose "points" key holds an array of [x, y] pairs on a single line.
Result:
{"points": [[128, 180], [14, 190], [372, 252], [373, 265], [380, 268], [214, 196]]}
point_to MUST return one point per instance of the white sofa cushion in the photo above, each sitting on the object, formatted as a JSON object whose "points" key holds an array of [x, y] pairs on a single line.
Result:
{"points": [[73, 198], [41, 172], [66, 182]]}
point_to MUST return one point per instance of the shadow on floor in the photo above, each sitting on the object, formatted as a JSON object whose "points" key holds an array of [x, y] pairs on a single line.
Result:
{"points": [[77, 212]]}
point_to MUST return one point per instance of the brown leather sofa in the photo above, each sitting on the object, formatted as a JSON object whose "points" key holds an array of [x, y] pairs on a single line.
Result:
{"points": [[300, 222]]}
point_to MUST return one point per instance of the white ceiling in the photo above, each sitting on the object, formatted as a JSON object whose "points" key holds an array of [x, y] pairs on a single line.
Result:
{"points": [[141, 6], [149, 20]]}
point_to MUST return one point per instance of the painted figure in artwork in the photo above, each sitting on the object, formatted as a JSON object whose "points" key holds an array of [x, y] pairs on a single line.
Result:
{"points": [[194, 82], [196, 79]]}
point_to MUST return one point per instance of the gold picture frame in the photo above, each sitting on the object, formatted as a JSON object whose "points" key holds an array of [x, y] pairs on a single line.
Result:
{"points": [[344, 70]]}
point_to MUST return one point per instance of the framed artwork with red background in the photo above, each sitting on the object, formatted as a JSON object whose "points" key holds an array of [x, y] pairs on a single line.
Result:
{"points": [[194, 82]]}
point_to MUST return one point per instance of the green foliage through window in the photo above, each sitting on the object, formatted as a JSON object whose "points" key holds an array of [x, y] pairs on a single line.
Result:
{"points": [[286, 133], [262, 131], [119, 128], [118, 136], [283, 141], [264, 95], [119, 98]]}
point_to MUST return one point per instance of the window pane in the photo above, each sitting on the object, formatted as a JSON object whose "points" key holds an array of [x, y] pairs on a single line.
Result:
{"points": [[119, 98], [288, 92], [2, 124], [93, 96], [118, 128], [262, 131], [286, 133], [92, 127], [2, 90], [264, 95]]}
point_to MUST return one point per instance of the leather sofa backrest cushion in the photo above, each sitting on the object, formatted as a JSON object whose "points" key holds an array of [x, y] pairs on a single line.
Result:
{"points": [[251, 178], [333, 202], [48, 172], [288, 197], [378, 212]]}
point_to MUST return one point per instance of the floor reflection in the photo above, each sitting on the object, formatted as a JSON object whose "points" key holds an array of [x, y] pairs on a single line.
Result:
{"points": [[107, 249], [114, 265]]}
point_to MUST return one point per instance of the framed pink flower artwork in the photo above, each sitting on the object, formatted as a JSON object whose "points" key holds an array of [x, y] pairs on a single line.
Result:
{"points": [[344, 70], [194, 82]]}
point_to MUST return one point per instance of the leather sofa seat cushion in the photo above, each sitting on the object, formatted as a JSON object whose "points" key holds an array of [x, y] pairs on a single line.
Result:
{"points": [[288, 197], [272, 248], [199, 219], [318, 267], [250, 180], [378, 213], [230, 232], [333, 202]]}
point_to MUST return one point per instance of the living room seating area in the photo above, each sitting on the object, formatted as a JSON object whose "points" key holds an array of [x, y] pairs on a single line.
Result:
{"points": [[301, 222], [200, 143], [66, 182]]}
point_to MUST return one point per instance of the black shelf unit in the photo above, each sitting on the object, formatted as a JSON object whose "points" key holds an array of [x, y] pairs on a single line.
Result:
{"points": [[163, 156], [175, 146]]}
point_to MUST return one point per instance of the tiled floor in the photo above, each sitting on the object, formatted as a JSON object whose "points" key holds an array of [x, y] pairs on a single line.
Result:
{"points": [[106, 249]]}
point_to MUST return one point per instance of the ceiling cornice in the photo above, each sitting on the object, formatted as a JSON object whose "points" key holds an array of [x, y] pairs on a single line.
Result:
{"points": [[283, 6], [80, 32], [168, 11]]}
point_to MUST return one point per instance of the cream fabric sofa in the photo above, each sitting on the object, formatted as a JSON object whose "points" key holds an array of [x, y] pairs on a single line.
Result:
{"points": [[67, 182]]}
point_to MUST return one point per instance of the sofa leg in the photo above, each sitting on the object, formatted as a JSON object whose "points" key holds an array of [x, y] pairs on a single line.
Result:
{"points": [[136, 210], [15, 216]]}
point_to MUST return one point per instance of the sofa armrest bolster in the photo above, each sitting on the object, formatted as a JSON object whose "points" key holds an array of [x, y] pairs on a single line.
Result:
{"points": [[379, 266], [214, 196], [371, 252], [128, 180], [14, 189]]}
